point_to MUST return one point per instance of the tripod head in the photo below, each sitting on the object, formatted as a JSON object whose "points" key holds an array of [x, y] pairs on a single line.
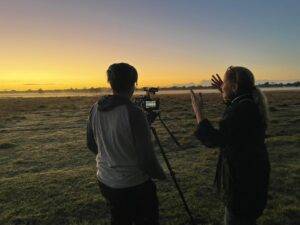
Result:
{"points": [[151, 116], [149, 103]]}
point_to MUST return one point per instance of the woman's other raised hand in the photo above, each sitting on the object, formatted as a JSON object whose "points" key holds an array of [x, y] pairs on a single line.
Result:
{"points": [[197, 104], [217, 82]]}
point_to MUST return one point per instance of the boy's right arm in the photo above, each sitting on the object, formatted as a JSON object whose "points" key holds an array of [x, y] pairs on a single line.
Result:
{"points": [[143, 144]]}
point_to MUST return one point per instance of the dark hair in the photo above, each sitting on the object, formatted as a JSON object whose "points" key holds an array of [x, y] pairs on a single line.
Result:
{"points": [[241, 76], [245, 81], [121, 76]]}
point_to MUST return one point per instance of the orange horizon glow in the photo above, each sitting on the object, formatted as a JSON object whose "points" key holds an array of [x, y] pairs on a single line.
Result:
{"points": [[35, 82], [19, 80]]}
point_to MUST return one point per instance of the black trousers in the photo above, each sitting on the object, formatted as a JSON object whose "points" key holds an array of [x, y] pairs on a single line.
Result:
{"points": [[232, 219], [133, 205]]}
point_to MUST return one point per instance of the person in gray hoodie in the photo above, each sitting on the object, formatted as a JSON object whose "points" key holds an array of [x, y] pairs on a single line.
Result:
{"points": [[119, 135]]}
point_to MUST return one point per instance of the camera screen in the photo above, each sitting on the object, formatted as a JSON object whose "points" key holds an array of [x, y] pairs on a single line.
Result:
{"points": [[150, 104]]}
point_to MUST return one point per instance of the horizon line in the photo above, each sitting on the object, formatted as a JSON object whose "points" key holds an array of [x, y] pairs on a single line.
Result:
{"points": [[186, 85]]}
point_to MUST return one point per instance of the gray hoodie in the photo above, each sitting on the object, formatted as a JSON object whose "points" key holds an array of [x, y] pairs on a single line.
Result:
{"points": [[119, 134]]}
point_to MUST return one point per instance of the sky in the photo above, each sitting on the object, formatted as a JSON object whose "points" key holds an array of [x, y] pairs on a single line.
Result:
{"points": [[57, 44]]}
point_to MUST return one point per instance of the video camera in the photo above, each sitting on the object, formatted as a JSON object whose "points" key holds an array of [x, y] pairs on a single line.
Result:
{"points": [[147, 102]]}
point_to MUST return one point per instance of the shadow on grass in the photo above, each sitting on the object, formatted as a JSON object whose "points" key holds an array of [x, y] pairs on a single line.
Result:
{"points": [[7, 145]]}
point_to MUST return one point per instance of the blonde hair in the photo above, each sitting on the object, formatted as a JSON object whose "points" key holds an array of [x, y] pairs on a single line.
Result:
{"points": [[244, 80]]}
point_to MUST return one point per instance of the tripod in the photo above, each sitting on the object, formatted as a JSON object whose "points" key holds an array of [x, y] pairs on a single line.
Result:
{"points": [[172, 173]]}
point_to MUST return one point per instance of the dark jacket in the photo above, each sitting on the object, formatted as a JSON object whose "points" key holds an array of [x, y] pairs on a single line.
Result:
{"points": [[243, 165]]}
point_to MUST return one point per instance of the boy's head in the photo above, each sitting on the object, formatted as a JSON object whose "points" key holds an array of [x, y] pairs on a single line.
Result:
{"points": [[122, 78]]}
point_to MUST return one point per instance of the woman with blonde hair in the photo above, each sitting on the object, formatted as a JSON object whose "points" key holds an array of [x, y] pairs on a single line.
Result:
{"points": [[243, 168]]}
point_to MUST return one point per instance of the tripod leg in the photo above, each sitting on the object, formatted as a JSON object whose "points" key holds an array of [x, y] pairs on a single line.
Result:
{"points": [[173, 176], [170, 133]]}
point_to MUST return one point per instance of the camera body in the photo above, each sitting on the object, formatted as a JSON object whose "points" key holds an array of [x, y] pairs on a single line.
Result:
{"points": [[147, 102]]}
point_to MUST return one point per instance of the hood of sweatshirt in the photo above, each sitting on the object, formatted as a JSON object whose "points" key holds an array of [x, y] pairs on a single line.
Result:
{"points": [[109, 102]]}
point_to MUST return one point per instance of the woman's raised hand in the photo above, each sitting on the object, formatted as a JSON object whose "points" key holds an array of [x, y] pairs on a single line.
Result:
{"points": [[197, 104], [217, 82]]}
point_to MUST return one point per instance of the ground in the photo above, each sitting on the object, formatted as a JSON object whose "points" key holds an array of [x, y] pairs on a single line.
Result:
{"points": [[48, 177]]}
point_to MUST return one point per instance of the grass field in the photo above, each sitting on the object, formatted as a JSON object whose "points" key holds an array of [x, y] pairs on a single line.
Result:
{"points": [[47, 175]]}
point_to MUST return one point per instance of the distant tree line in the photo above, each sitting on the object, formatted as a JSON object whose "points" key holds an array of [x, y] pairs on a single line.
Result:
{"points": [[103, 89], [268, 84], [264, 85]]}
